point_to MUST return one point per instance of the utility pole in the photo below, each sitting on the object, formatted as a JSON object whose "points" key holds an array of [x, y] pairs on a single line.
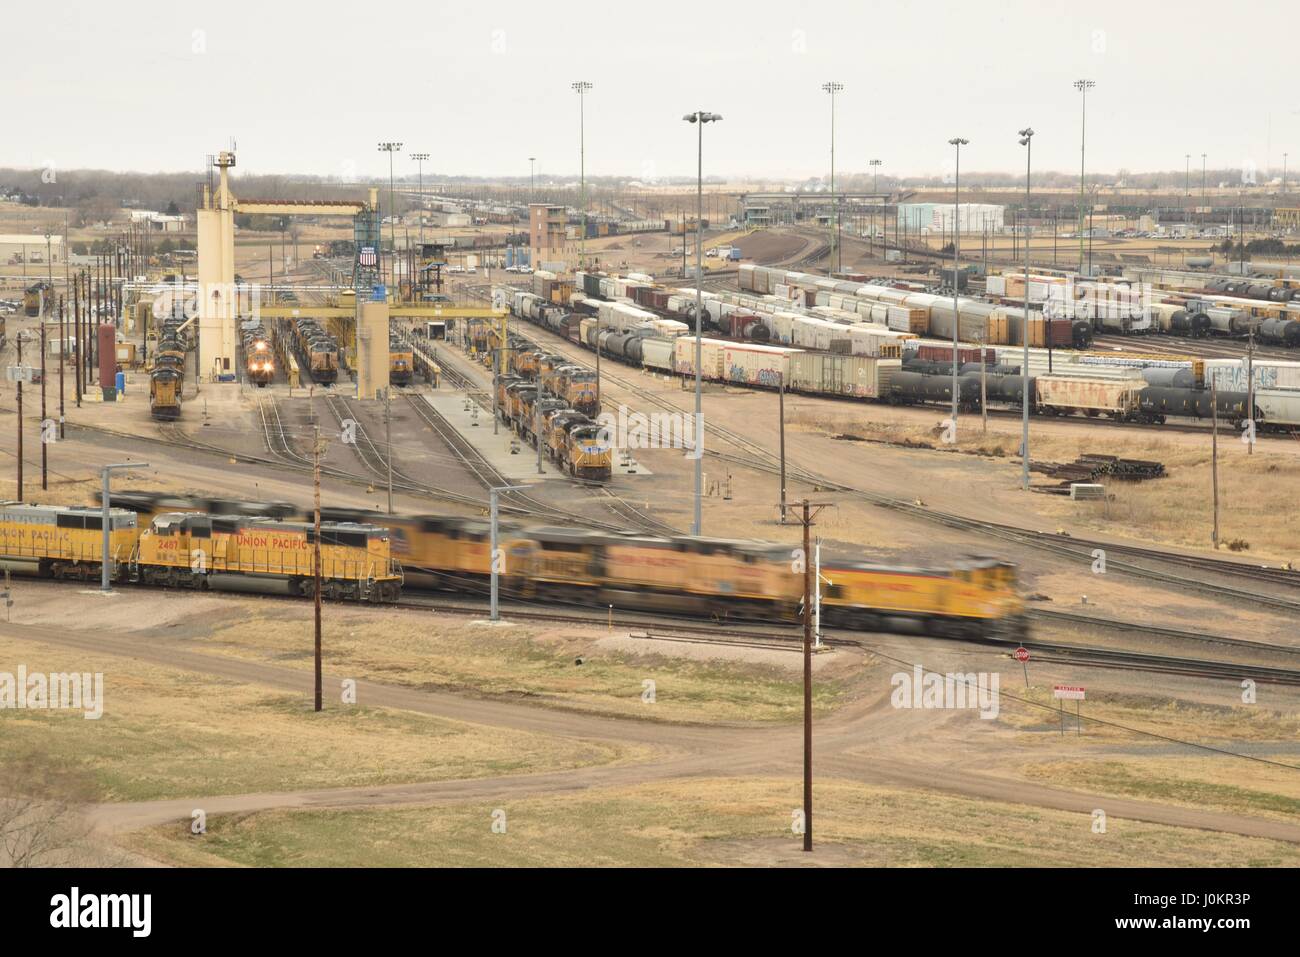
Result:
{"points": [[388, 442], [45, 473], [810, 511], [1214, 458], [63, 347], [19, 340], [315, 562], [537, 421], [781, 415], [1027, 141]]}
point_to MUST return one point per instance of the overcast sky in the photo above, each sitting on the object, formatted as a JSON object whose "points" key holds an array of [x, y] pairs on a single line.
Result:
{"points": [[312, 88]]}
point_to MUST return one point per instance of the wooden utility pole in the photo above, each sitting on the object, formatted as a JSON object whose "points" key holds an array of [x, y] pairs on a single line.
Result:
{"points": [[63, 347], [781, 414], [315, 564], [45, 473], [1213, 455], [19, 340], [810, 511]]}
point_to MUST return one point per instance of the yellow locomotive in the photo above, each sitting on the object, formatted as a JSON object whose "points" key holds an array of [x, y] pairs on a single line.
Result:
{"points": [[56, 542], [706, 577], [196, 550], [401, 362]]}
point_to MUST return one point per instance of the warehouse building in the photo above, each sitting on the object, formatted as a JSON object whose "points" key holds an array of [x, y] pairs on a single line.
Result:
{"points": [[16, 248], [938, 217]]}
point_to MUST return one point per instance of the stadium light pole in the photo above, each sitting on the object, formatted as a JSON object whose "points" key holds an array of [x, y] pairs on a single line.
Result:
{"points": [[832, 87], [581, 87], [390, 149], [875, 168], [1026, 140], [105, 562], [957, 142], [699, 118], [419, 159], [1083, 86]]}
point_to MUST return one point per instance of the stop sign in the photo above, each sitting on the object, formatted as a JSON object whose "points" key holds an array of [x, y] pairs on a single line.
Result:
{"points": [[1022, 655]]}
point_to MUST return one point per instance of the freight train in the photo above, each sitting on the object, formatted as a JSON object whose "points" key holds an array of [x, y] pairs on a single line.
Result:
{"points": [[1089, 391], [315, 349], [718, 578], [535, 406], [401, 361], [259, 359], [167, 375], [191, 549]]}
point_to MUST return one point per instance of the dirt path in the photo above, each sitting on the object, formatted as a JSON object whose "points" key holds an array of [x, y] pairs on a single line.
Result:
{"points": [[849, 745]]}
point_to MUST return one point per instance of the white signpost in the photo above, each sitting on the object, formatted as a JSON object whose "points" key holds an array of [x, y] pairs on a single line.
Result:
{"points": [[1075, 693]]}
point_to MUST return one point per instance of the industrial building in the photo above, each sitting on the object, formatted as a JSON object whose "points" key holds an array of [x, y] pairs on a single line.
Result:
{"points": [[971, 217], [30, 248], [548, 239]]}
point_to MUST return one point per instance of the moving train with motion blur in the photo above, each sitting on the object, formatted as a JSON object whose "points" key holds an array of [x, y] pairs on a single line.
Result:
{"points": [[693, 576], [188, 548]]}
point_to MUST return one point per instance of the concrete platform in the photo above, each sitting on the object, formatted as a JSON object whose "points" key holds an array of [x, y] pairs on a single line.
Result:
{"points": [[520, 465]]}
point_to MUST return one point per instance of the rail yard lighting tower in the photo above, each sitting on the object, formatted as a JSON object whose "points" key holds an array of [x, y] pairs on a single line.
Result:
{"points": [[1202, 189], [105, 524], [1083, 86], [875, 167], [390, 149], [581, 87], [419, 159], [699, 118], [832, 87], [1026, 140], [958, 143], [532, 181], [1284, 156]]}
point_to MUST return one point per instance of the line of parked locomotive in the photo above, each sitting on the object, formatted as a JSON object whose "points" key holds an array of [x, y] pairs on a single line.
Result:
{"points": [[674, 574], [167, 376], [316, 350], [544, 397]]}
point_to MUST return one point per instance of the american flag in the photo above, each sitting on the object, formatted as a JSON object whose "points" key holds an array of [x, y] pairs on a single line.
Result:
{"points": [[367, 256]]}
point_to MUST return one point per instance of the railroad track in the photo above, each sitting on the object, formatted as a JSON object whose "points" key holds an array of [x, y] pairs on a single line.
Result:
{"points": [[1156, 631], [776, 635], [752, 455]]}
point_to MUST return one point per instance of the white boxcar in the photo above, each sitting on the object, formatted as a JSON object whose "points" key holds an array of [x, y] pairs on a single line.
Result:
{"points": [[1229, 375], [752, 364], [657, 354], [711, 356], [860, 376], [1281, 408]]}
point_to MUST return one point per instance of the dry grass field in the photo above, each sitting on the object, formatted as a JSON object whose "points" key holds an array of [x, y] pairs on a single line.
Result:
{"points": [[702, 822]]}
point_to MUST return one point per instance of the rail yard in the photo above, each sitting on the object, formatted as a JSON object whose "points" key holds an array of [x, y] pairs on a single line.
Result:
{"points": [[892, 515]]}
